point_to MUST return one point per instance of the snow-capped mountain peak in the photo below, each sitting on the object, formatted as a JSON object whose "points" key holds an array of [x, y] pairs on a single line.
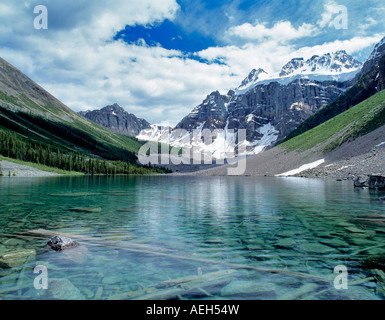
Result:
{"points": [[337, 66], [292, 66], [329, 63], [253, 77], [266, 107]]}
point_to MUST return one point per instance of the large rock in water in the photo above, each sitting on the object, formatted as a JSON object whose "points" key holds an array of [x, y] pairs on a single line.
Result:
{"points": [[60, 243], [371, 182], [361, 182], [376, 182]]}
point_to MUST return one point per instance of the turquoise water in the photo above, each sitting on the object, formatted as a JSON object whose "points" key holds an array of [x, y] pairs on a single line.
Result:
{"points": [[233, 237]]}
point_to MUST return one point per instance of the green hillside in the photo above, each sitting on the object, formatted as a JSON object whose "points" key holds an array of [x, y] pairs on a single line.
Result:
{"points": [[357, 121], [38, 128]]}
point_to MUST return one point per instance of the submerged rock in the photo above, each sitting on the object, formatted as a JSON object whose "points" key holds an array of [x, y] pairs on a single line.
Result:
{"points": [[3, 249], [285, 243], [87, 210], [132, 209], [78, 194], [60, 243], [16, 258], [247, 288], [356, 293], [14, 242], [317, 248], [77, 255], [354, 229], [63, 289], [87, 292], [335, 243], [301, 291], [112, 279]]}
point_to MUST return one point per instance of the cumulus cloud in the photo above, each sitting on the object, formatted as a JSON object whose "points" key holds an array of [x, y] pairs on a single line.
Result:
{"points": [[282, 31], [259, 55], [330, 9], [244, 58], [351, 46]]}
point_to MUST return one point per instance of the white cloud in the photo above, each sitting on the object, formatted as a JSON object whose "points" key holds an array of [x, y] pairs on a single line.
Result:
{"points": [[328, 14], [150, 82], [243, 59], [351, 46], [367, 24], [281, 31], [334, 15]]}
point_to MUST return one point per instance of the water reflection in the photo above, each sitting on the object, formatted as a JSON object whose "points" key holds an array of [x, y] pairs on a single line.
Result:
{"points": [[300, 225]]}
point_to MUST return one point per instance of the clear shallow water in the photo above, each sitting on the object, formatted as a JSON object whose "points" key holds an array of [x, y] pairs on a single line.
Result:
{"points": [[297, 230]]}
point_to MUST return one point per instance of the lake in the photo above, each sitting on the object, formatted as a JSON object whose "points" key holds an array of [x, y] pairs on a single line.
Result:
{"points": [[178, 237]]}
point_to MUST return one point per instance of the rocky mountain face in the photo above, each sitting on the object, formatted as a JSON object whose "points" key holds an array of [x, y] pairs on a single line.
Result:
{"points": [[369, 81], [374, 58], [267, 107], [118, 120]]}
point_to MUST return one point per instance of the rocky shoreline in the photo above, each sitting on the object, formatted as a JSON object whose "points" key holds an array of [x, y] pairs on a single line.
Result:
{"points": [[372, 163], [11, 169], [367, 164]]}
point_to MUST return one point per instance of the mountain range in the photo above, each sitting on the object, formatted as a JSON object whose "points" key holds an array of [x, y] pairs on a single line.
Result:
{"points": [[343, 140], [278, 107], [267, 107], [304, 97]]}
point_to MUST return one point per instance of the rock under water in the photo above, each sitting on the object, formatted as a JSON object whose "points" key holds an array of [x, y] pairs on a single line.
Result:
{"points": [[60, 243], [16, 258]]}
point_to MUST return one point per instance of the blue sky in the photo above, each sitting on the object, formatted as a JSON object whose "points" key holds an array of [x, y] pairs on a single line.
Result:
{"points": [[160, 58], [200, 25]]}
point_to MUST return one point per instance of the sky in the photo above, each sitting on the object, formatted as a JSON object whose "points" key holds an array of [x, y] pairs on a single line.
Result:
{"points": [[158, 59]]}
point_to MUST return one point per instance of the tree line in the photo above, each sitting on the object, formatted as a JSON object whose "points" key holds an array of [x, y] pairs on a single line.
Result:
{"points": [[13, 146], [34, 126]]}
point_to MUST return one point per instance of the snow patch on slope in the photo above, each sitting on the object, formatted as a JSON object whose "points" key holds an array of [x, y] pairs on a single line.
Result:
{"points": [[302, 168], [270, 136]]}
